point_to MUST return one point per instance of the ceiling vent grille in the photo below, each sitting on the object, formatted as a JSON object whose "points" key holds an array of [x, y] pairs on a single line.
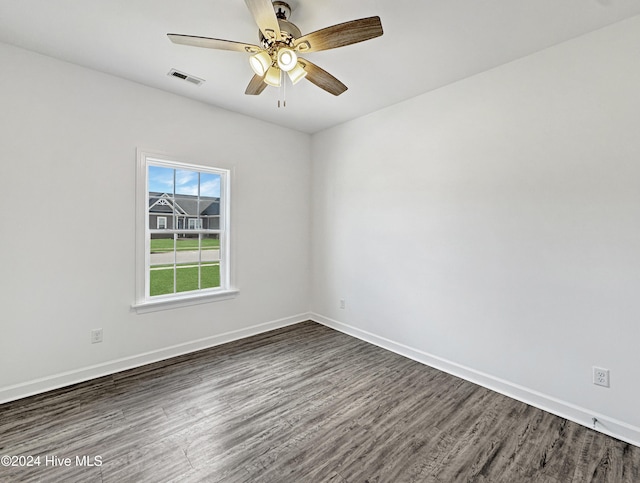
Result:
{"points": [[186, 77]]}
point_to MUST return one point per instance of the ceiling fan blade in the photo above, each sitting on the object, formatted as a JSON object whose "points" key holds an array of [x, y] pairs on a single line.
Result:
{"points": [[339, 35], [209, 43], [322, 78], [256, 85], [265, 16]]}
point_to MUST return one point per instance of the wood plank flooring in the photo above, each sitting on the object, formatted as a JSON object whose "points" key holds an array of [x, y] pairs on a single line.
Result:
{"points": [[299, 404]]}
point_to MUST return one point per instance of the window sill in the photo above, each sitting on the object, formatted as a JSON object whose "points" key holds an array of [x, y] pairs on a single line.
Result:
{"points": [[183, 301]]}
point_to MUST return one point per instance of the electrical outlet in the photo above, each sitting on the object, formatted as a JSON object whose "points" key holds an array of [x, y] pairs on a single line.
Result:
{"points": [[601, 376], [342, 304], [96, 336]]}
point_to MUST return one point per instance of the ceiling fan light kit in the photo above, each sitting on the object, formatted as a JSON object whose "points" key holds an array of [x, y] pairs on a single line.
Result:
{"points": [[287, 59], [260, 62], [281, 42], [297, 73], [272, 77]]}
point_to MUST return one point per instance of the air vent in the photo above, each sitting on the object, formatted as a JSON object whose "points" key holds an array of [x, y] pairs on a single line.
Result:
{"points": [[189, 78]]}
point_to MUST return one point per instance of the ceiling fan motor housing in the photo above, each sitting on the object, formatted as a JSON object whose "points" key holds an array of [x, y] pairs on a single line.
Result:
{"points": [[288, 31]]}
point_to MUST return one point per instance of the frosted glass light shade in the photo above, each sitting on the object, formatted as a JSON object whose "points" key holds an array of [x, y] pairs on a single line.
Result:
{"points": [[260, 62], [287, 59], [272, 77], [297, 74]]}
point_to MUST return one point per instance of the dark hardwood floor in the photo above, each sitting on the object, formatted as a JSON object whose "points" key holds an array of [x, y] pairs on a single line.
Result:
{"points": [[300, 404]]}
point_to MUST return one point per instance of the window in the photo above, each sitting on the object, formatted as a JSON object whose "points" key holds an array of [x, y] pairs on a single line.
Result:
{"points": [[183, 232], [195, 223]]}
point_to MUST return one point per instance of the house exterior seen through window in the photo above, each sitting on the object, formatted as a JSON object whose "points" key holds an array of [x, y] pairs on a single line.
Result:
{"points": [[186, 230]]}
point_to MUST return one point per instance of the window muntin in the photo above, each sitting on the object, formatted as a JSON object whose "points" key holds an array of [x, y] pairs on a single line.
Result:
{"points": [[188, 253]]}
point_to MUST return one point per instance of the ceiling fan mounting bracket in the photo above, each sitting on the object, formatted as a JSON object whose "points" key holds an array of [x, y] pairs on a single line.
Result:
{"points": [[283, 10]]}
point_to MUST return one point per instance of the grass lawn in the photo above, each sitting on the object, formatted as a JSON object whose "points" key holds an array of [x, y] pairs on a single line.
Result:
{"points": [[186, 279], [166, 244]]}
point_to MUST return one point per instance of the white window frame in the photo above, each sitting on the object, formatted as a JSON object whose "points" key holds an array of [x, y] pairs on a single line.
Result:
{"points": [[164, 222], [195, 224], [143, 301]]}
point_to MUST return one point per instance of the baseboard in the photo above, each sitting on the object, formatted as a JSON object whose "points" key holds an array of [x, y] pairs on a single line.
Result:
{"points": [[38, 386], [609, 426]]}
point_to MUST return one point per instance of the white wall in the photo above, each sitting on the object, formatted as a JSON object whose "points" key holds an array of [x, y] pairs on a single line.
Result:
{"points": [[491, 227], [68, 139]]}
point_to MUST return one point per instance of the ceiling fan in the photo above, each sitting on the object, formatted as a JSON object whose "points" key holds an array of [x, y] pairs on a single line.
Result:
{"points": [[281, 42]]}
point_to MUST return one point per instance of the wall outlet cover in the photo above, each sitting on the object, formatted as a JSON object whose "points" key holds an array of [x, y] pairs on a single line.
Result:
{"points": [[601, 376], [96, 336]]}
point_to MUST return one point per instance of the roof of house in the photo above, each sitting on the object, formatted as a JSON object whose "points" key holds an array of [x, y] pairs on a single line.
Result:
{"points": [[186, 205]]}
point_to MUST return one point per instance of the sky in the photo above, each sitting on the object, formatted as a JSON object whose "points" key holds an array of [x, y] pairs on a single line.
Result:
{"points": [[186, 182]]}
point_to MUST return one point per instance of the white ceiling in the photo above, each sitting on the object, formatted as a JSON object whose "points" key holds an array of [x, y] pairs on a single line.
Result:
{"points": [[426, 45]]}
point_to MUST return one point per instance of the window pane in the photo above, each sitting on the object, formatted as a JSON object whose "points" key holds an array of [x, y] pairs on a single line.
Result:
{"points": [[187, 277], [187, 246], [211, 247], [187, 210], [209, 185], [210, 275], [161, 259], [210, 272], [160, 206], [161, 281], [186, 182], [160, 180], [209, 209]]}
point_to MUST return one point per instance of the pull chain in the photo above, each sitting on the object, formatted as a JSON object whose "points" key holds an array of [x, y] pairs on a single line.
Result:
{"points": [[283, 90]]}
